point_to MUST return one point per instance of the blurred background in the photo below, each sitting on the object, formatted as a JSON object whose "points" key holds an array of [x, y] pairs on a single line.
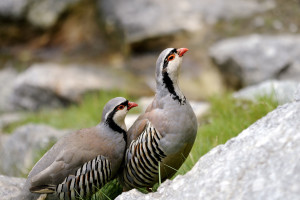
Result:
{"points": [[122, 39], [62, 60]]}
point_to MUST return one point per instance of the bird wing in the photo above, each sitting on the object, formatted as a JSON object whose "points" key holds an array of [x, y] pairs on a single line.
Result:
{"points": [[71, 153], [90, 177], [143, 157]]}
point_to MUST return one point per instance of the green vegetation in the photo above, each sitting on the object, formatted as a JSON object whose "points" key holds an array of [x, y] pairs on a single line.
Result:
{"points": [[227, 118]]}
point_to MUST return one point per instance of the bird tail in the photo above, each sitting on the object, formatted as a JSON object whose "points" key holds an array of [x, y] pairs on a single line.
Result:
{"points": [[43, 189]]}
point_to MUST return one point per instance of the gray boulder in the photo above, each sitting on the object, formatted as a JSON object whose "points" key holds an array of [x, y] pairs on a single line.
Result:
{"points": [[13, 8], [22, 148], [229, 9], [54, 85], [41, 13], [154, 18], [262, 162], [45, 13], [252, 59], [10, 187], [7, 78], [280, 91]]}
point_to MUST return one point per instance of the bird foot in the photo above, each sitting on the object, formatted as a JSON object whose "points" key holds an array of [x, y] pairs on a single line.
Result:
{"points": [[42, 197]]}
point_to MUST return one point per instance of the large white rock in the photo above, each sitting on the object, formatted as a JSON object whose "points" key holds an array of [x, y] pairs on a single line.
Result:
{"points": [[262, 162]]}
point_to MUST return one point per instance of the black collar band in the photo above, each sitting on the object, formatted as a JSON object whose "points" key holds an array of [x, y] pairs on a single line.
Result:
{"points": [[170, 86]]}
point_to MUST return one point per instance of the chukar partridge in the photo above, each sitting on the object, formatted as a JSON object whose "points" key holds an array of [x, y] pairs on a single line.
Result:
{"points": [[83, 161], [163, 135]]}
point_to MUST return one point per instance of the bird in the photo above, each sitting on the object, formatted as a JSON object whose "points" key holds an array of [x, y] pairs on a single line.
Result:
{"points": [[82, 162], [161, 138]]}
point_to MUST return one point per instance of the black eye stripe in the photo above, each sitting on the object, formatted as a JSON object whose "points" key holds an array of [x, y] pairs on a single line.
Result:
{"points": [[166, 58], [125, 103], [110, 122]]}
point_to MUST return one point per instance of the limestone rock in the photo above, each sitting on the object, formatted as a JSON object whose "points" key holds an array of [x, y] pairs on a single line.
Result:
{"points": [[54, 85], [154, 18], [13, 9], [147, 19], [10, 187], [297, 94], [45, 13], [25, 144], [280, 91], [252, 59], [232, 9], [7, 78], [262, 162]]}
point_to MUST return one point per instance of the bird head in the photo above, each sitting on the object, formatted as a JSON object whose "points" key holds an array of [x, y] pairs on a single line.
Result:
{"points": [[114, 112], [169, 63]]}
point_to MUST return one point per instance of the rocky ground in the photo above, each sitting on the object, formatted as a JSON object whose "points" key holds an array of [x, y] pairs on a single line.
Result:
{"points": [[53, 53]]}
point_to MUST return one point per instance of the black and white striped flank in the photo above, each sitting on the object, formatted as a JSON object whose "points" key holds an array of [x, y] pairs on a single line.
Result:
{"points": [[142, 158], [87, 180]]}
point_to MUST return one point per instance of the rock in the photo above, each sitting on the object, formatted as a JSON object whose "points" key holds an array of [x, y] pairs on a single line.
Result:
{"points": [[9, 118], [252, 59], [10, 187], [297, 94], [7, 78], [25, 144], [262, 162], [142, 21], [45, 13], [291, 72], [232, 9], [280, 91], [3, 139], [13, 8], [54, 85]]}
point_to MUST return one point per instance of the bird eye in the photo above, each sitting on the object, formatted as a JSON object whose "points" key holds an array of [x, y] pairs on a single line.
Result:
{"points": [[171, 57], [120, 107]]}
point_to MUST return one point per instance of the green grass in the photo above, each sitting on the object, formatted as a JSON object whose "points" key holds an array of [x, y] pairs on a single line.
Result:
{"points": [[227, 118]]}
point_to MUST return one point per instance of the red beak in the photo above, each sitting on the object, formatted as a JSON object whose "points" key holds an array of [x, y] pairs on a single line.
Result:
{"points": [[131, 105], [181, 51]]}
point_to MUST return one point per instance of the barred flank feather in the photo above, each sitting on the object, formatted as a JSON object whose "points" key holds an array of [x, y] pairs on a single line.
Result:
{"points": [[87, 180], [142, 158]]}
